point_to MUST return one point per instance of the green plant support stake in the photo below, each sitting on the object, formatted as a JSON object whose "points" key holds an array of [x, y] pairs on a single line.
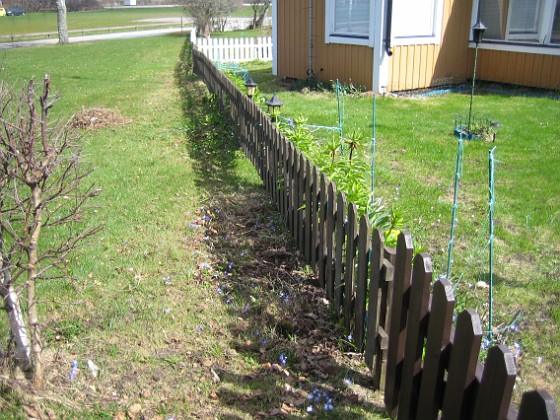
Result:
{"points": [[454, 209], [491, 201], [340, 118], [373, 123]]}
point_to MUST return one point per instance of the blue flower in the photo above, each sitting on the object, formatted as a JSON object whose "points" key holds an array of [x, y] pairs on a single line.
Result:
{"points": [[309, 409], [348, 381], [350, 337], [199, 328], [74, 370], [283, 359]]}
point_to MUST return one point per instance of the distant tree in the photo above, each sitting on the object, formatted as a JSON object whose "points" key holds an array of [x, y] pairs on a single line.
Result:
{"points": [[260, 7], [207, 12], [41, 195], [61, 21]]}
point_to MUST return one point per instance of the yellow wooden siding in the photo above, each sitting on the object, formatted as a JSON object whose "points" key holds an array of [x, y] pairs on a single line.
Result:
{"points": [[347, 63], [292, 40], [516, 68], [424, 65], [410, 66]]}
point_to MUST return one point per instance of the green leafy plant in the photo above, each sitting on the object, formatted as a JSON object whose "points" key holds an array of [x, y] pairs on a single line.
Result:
{"points": [[351, 175]]}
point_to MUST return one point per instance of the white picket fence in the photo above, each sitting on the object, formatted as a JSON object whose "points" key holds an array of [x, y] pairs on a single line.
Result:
{"points": [[234, 50]]}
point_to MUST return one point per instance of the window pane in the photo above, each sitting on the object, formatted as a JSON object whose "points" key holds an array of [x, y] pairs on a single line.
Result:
{"points": [[524, 20], [555, 36], [413, 18], [493, 15], [351, 17]]}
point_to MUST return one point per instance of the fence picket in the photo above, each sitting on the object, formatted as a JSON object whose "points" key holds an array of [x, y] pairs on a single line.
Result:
{"points": [[415, 334], [397, 328], [322, 231], [349, 270], [314, 215], [496, 387], [340, 240], [438, 339], [462, 366], [330, 241], [307, 239], [374, 296], [364, 251], [537, 405]]}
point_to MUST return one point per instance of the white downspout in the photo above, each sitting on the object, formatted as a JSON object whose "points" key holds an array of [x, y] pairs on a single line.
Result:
{"points": [[380, 58], [275, 37]]}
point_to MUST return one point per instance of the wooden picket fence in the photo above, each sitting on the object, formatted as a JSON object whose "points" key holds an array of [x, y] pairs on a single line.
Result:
{"points": [[426, 366], [234, 50]]}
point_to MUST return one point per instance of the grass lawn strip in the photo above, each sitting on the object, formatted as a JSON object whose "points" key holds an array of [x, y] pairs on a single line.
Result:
{"points": [[145, 308]]}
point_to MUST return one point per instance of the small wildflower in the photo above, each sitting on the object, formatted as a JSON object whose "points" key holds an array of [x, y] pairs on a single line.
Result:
{"points": [[328, 406], [516, 350], [350, 337], [283, 359], [514, 327], [309, 409], [74, 370], [200, 328], [486, 342], [348, 381], [219, 290], [539, 360], [228, 301], [167, 311], [204, 265], [230, 266]]}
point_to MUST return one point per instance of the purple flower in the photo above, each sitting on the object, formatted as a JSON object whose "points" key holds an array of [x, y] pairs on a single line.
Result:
{"points": [[283, 359], [74, 370], [200, 328]]}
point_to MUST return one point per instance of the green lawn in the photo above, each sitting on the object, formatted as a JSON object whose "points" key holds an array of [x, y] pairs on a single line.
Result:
{"points": [[46, 22], [165, 301], [415, 168]]}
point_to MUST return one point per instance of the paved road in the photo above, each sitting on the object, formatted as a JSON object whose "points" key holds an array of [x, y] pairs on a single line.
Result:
{"points": [[93, 38]]}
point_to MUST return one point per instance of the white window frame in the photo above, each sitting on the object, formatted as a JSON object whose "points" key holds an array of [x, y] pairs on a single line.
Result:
{"points": [[434, 38], [516, 43], [332, 38]]}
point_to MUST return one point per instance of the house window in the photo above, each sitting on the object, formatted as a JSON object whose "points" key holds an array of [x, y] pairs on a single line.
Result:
{"points": [[527, 21], [349, 22], [416, 21]]}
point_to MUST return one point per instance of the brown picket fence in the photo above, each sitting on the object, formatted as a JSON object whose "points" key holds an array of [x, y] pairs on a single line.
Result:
{"points": [[426, 366]]}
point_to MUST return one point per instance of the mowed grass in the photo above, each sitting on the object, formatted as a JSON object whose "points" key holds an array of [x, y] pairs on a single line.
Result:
{"points": [[414, 174], [148, 304], [113, 313], [46, 21]]}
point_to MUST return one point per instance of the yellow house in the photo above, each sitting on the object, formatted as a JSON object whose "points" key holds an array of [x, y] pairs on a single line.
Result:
{"points": [[395, 45]]}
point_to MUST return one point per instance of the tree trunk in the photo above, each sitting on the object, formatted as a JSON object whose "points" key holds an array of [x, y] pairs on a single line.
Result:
{"points": [[15, 316], [262, 16], [61, 20], [35, 328]]}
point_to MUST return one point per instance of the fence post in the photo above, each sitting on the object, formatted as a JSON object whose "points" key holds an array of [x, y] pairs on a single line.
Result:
{"points": [[397, 328]]}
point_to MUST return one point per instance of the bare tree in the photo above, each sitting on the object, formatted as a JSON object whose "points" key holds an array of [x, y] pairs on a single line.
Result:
{"points": [[41, 191], [205, 12], [61, 21], [260, 7]]}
